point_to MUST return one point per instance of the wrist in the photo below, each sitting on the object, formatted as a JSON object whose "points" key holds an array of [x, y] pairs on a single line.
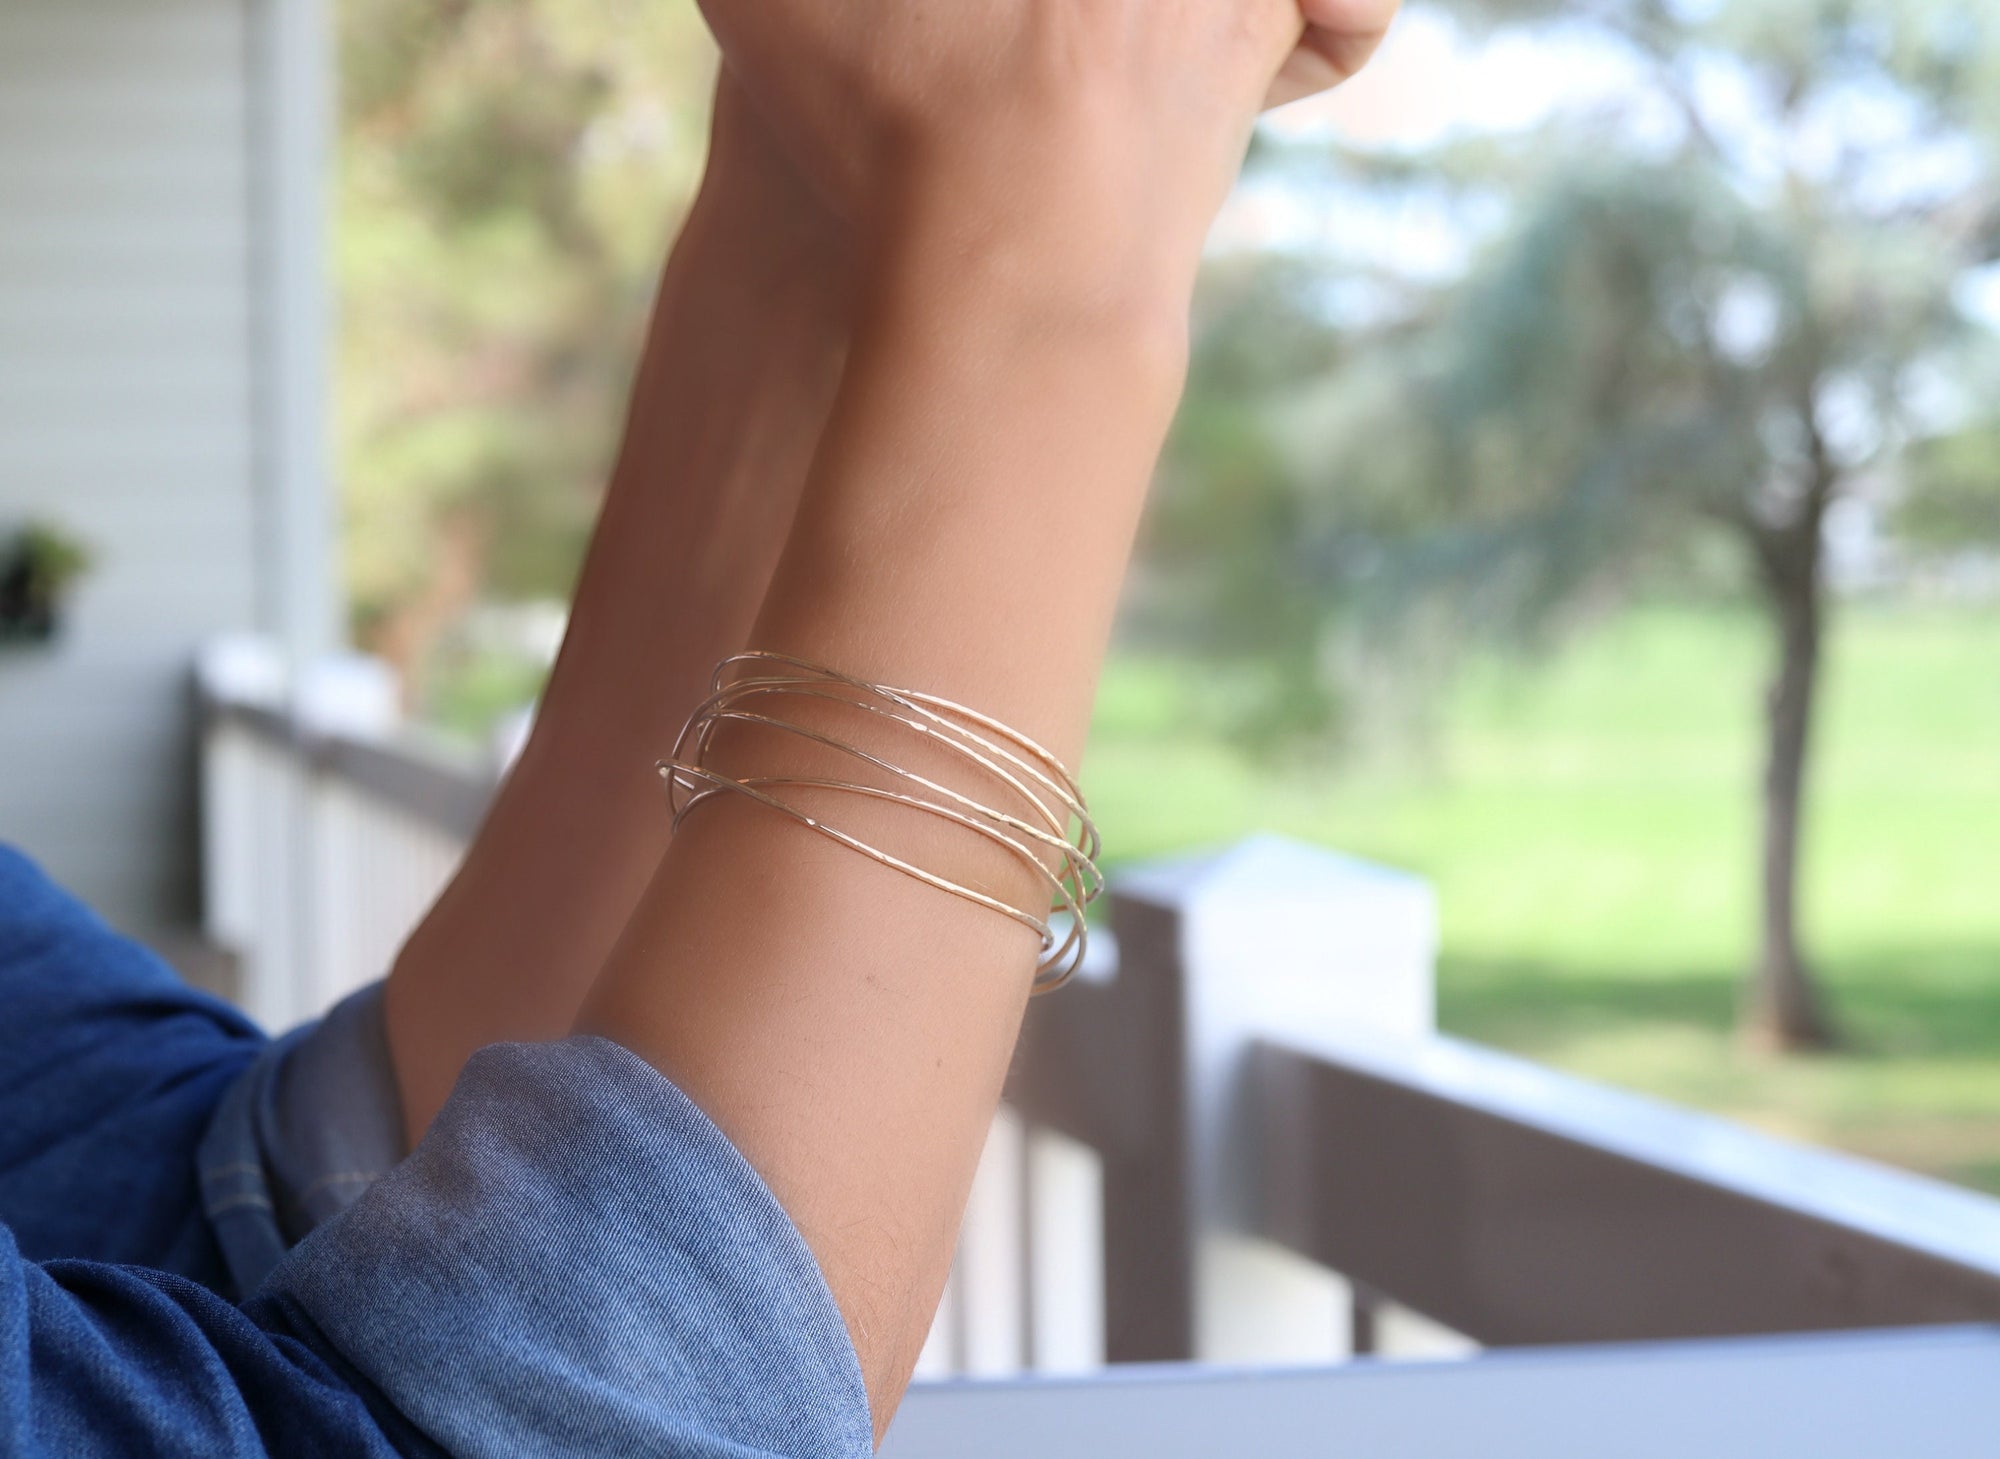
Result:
{"points": [[1032, 279], [1065, 211], [755, 219]]}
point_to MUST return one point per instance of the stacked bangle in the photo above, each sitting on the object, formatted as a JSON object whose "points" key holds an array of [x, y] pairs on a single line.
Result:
{"points": [[757, 688]]}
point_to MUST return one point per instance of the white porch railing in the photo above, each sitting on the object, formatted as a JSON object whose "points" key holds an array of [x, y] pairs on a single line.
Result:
{"points": [[325, 836]]}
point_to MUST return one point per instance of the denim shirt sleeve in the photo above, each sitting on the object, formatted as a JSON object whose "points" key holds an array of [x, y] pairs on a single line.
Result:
{"points": [[311, 1124], [575, 1261]]}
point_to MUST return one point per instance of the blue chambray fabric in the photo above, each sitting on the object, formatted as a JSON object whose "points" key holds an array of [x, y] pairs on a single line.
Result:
{"points": [[117, 1362], [110, 1071], [576, 1253], [575, 1260], [145, 1122], [311, 1123]]}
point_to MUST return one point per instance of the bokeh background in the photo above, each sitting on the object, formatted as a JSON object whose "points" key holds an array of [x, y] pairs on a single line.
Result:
{"points": [[1588, 496]]}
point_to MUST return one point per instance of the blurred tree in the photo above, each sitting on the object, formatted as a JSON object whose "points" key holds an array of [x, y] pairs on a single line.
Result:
{"points": [[1207, 575], [1703, 310], [509, 172]]}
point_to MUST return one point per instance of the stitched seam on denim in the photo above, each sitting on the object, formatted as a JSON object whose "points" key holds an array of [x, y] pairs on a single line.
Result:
{"points": [[235, 1167], [301, 1207], [344, 1177], [234, 1201]]}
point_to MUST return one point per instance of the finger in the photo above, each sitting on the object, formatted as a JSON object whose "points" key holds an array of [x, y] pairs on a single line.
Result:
{"points": [[1306, 72], [1341, 37], [1346, 33], [1349, 46]]}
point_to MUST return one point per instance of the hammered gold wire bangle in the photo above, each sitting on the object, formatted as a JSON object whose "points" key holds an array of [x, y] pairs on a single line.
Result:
{"points": [[752, 688]]}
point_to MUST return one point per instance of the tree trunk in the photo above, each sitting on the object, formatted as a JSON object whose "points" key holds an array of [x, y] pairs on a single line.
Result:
{"points": [[1784, 1009]]}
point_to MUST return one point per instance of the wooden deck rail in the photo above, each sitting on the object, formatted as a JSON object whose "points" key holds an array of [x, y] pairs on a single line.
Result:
{"points": [[1520, 1206]]}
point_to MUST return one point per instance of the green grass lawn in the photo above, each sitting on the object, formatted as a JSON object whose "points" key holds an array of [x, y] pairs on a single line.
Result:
{"points": [[1590, 825]]}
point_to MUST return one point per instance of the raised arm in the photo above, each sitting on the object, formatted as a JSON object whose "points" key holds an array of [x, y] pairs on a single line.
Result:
{"points": [[740, 365], [1032, 182]]}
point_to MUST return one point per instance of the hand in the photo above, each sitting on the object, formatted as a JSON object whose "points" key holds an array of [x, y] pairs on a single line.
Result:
{"points": [[1109, 129]]}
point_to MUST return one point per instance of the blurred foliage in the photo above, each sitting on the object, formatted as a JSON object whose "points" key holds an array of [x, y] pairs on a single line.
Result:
{"points": [[1694, 315], [1954, 501], [1666, 296], [1700, 309], [1210, 576], [510, 171], [52, 557], [37, 569]]}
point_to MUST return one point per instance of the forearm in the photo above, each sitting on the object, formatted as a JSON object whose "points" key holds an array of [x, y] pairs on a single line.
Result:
{"points": [[740, 364], [963, 533]]}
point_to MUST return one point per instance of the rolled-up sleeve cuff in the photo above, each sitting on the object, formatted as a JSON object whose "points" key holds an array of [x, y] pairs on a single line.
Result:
{"points": [[576, 1261]]}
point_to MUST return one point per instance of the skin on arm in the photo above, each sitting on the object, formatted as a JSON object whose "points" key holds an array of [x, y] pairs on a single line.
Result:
{"points": [[964, 530], [740, 365], [847, 1027]]}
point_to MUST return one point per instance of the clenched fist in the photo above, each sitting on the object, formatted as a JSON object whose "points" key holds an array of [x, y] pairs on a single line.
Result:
{"points": [[1088, 138]]}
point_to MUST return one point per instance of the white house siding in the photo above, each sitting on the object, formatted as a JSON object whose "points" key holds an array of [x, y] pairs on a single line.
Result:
{"points": [[127, 416]]}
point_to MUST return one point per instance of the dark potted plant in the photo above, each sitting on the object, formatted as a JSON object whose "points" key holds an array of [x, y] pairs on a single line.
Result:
{"points": [[36, 571]]}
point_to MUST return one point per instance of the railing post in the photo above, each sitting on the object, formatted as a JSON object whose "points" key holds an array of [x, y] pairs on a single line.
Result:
{"points": [[1099, 1069], [350, 696], [1149, 1302], [1268, 938], [1364, 1319], [242, 669]]}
